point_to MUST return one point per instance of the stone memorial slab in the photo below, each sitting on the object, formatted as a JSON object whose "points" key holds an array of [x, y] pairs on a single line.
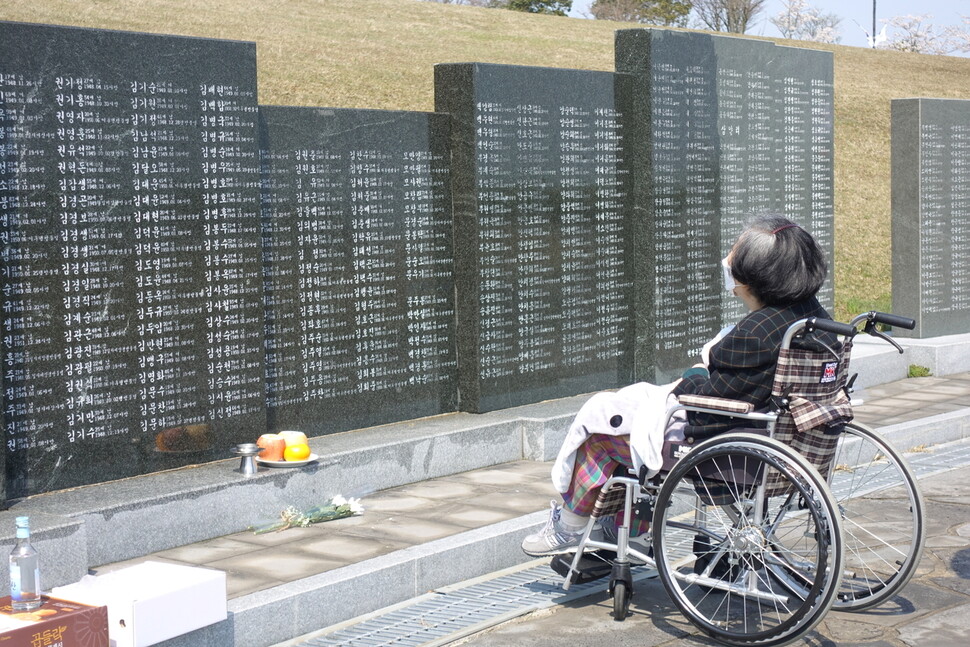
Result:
{"points": [[545, 243], [731, 128], [358, 249], [747, 116], [806, 147], [132, 291], [931, 214]]}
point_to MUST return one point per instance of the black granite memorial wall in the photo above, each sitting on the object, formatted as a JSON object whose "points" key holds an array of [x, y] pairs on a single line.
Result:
{"points": [[677, 132], [806, 145], [931, 214], [182, 270], [545, 248], [132, 296], [358, 246], [729, 128]]}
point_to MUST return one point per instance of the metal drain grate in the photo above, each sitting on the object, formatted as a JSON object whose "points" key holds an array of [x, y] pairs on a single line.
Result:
{"points": [[926, 463], [446, 615], [937, 460]]}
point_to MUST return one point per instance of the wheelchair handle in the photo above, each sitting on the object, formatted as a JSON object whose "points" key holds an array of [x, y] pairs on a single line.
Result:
{"points": [[874, 317], [812, 324], [828, 325], [894, 320]]}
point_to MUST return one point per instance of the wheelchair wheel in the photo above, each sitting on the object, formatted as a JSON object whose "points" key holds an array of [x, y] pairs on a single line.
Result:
{"points": [[621, 600], [882, 518], [746, 565], [621, 588]]}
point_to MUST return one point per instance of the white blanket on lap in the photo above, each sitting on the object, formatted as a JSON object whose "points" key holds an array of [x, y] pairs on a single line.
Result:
{"points": [[638, 411]]}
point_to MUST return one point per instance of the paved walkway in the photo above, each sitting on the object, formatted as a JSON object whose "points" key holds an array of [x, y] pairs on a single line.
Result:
{"points": [[912, 399], [414, 514], [933, 610]]}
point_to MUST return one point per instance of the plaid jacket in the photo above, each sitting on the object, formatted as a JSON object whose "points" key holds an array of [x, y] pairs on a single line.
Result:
{"points": [[742, 365]]}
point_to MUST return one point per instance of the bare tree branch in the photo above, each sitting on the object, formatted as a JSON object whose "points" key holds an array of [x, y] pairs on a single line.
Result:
{"points": [[733, 16], [670, 13]]}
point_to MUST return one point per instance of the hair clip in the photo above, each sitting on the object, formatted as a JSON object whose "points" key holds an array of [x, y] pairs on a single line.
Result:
{"points": [[784, 227]]}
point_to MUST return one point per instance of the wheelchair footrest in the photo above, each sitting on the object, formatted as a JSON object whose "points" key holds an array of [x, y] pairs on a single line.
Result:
{"points": [[592, 566]]}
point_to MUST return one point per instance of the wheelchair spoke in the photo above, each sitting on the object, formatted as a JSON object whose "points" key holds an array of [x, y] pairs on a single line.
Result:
{"points": [[762, 566], [874, 569], [882, 514]]}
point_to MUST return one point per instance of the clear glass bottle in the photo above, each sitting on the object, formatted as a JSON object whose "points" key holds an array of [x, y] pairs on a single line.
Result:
{"points": [[24, 570]]}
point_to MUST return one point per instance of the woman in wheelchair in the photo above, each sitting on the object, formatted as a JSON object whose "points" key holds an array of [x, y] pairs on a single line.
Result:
{"points": [[776, 268]]}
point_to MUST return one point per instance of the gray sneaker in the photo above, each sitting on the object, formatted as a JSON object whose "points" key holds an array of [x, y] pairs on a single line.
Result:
{"points": [[605, 529], [553, 539]]}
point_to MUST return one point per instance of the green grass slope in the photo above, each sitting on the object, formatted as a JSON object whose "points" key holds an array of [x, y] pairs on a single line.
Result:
{"points": [[380, 54]]}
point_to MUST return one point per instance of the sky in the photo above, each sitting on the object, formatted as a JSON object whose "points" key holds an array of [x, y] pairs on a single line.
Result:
{"points": [[944, 12]]}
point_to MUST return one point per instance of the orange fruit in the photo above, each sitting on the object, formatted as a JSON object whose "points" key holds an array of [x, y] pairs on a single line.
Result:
{"points": [[299, 452]]}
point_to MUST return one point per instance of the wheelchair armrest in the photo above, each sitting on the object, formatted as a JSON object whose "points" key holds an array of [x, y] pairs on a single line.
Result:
{"points": [[711, 402]]}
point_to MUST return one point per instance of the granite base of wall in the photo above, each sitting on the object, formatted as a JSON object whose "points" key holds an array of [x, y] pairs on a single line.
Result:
{"points": [[877, 362], [101, 524], [946, 355]]}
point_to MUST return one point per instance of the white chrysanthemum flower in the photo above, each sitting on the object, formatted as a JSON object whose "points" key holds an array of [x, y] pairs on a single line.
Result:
{"points": [[338, 508], [355, 506], [293, 517]]}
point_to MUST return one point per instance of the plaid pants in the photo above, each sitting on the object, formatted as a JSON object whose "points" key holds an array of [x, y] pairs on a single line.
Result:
{"points": [[599, 458]]}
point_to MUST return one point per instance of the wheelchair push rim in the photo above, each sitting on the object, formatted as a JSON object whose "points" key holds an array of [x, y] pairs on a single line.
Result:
{"points": [[766, 568]]}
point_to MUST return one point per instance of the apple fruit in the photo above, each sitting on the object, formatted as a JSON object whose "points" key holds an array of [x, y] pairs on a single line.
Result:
{"points": [[273, 446]]}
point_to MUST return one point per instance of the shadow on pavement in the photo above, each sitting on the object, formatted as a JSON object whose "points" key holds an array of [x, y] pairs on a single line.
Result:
{"points": [[960, 564]]}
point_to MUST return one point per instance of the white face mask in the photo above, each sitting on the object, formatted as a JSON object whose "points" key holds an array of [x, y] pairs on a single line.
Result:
{"points": [[729, 283]]}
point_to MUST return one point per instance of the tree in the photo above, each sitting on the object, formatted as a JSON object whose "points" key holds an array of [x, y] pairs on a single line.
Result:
{"points": [[790, 18], [669, 13], [916, 34], [960, 36], [553, 7], [734, 16], [799, 20]]}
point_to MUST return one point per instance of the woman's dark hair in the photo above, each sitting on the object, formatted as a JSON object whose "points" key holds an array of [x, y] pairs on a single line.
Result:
{"points": [[778, 260]]}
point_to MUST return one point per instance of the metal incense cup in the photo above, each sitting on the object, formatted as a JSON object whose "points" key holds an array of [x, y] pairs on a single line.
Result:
{"points": [[247, 453]]}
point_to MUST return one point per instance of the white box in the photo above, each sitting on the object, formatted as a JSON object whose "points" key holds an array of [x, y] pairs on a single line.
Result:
{"points": [[153, 601]]}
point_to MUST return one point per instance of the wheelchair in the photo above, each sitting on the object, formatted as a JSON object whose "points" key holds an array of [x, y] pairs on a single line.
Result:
{"points": [[757, 532]]}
